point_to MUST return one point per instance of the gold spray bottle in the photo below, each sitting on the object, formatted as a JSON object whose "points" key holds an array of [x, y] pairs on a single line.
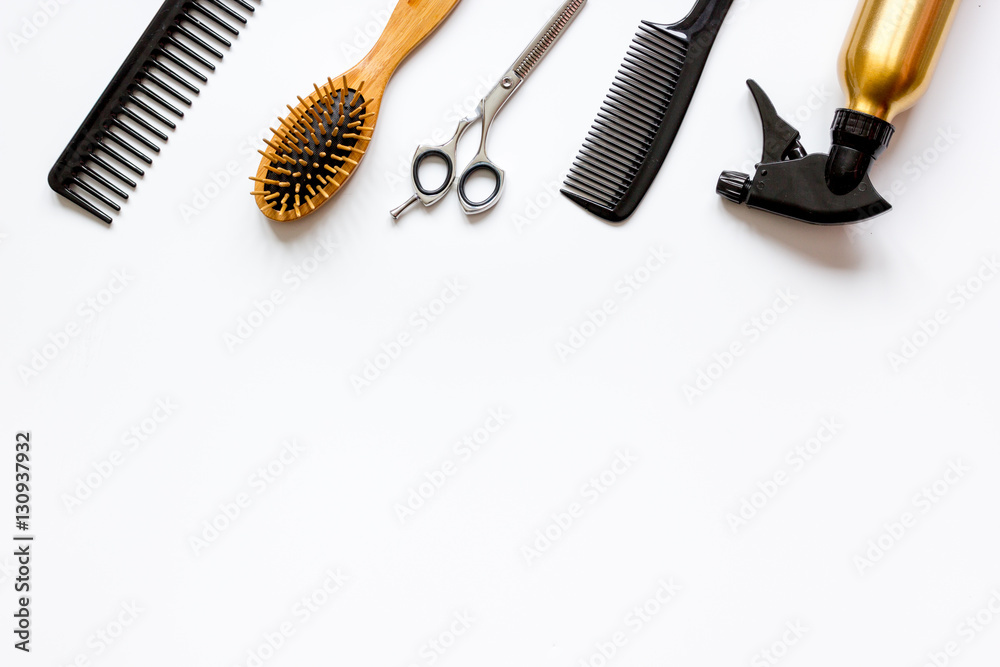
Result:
{"points": [[891, 51], [886, 65]]}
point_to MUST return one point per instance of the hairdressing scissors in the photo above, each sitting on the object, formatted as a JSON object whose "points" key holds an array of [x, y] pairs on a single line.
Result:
{"points": [[487, 112]]}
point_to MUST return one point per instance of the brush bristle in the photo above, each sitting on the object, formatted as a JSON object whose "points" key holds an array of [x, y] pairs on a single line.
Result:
{"points": [[314, 150], [625, 128]]}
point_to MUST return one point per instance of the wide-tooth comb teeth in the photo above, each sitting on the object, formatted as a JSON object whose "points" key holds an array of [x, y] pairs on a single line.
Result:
{"points": [[118, 122], [103, 181], [151, 111], [229, 12], [159, 100], [130, 117], [183, 65], [138, 120], [215, 18], [120, 158], [96, 159], [206, 28], [181, 30], [167, 87], [189, 52], [174, 76]]}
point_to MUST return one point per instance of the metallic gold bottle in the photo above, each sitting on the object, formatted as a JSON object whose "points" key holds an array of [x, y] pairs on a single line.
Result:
{"points": [[886, 65], [887, 62], [891, 51]]}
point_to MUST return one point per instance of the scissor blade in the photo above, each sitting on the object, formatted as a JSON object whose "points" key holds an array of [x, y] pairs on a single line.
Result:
{"points": [[546, 37]]}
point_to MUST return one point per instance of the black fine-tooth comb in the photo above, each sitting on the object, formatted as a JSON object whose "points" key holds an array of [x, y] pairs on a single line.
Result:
{"points": [[640, 117], [173, 46]]}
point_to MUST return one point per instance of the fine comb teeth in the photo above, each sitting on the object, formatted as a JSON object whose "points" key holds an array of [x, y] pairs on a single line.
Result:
{"points": [[131, 113], [623, 133], [640, 117], [314, 150]]}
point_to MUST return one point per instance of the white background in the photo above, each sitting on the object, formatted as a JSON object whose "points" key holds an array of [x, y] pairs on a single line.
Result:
{"points": [[199, 257]]}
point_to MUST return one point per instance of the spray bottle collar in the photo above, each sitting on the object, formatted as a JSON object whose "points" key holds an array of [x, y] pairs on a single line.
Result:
{"points": [[861, 131]]}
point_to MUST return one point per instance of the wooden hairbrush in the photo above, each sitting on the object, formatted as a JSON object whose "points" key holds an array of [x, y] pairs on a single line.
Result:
{"points": [[316, 148]]}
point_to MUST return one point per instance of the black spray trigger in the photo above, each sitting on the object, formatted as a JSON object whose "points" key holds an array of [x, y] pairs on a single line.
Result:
{"points": [[781, 140], [822, 189]]}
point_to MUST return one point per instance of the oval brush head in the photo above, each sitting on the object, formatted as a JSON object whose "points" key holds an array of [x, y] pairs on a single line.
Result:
{"points": [[314, 150], [317, 147]]}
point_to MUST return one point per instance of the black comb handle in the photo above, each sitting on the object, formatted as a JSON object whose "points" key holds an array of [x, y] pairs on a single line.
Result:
{"points": [[643, 112], [114, 134], [705, 17]]}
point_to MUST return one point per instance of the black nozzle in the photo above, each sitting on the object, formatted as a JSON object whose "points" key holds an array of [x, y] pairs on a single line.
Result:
{"points": [[734, 186], [858, 140]]}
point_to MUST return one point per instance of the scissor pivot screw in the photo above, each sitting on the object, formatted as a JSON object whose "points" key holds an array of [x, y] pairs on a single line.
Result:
{"points": [[507, 83]]}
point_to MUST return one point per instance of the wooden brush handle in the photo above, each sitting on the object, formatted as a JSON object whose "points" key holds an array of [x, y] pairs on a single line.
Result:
{"points": [[411, 22]]}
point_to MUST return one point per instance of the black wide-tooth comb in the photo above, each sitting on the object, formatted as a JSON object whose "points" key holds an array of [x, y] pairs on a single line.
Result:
{"points": [[639, 119], [173, 47]]}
